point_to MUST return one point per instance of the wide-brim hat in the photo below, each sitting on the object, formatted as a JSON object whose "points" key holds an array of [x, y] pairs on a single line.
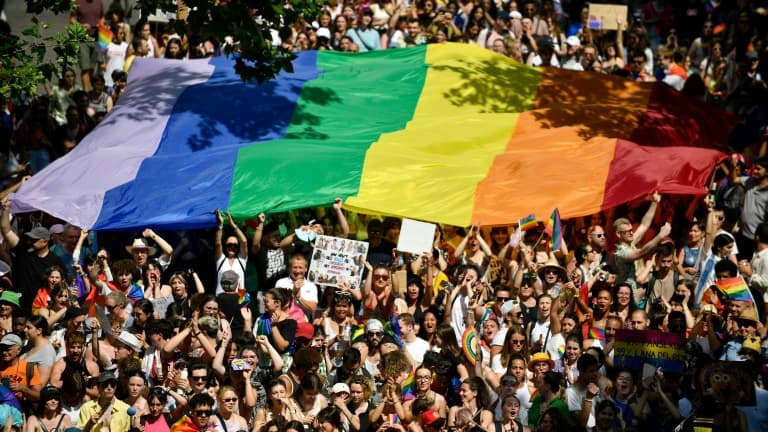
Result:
{"points": [[140, 243], [552, 263], [748, 314], [540, 357], [11, 297]]}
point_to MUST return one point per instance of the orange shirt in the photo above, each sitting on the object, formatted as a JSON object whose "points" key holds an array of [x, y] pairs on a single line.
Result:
{"points": [[41, 300], [17, 373]]}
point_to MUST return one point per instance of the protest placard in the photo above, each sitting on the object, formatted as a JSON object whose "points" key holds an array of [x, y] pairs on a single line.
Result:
{"points": [[416, 237], [634, 348], [607, 16], [336, 260]]}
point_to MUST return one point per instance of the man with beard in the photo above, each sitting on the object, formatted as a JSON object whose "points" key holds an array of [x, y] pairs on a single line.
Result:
{"points": [[374, 332], [75, 359], [31, 256], [105, 412], [596, 238]]}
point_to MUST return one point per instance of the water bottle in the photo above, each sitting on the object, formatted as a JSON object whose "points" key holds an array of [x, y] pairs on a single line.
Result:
{"points": [[347, 332]]}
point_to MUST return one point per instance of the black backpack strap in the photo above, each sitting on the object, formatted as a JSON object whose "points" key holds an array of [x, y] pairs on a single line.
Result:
{"points": [[221, 421]]}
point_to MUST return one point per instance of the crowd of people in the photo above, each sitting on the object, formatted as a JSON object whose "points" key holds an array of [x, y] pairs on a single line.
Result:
{"points": [[223, 329]]}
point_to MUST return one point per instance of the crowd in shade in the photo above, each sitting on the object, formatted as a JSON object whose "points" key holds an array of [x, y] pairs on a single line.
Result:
{"points": [[648, 316]]}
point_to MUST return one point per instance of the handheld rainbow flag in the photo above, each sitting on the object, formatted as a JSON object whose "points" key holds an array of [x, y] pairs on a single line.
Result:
{"points": [[597, 333], [409, 386], [554, 229], [243, 298], [357, 331], [735, 288], [528, 222], [105, 36]]}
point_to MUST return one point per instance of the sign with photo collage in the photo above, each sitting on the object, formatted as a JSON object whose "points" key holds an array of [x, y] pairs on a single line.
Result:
{"points": [[336, 260]]}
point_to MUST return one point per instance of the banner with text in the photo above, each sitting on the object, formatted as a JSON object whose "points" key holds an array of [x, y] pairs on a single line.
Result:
{"points": [[633, 348], [336, 260]]}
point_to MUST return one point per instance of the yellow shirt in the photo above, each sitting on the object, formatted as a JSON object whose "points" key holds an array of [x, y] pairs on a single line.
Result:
{"points": [[120, 422]]}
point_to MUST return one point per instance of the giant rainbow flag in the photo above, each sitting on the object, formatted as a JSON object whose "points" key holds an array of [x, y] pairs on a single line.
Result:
{"points": [[445, 133]]}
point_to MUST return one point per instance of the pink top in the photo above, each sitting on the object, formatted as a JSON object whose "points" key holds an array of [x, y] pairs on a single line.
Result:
{"points": [[159, 425]]}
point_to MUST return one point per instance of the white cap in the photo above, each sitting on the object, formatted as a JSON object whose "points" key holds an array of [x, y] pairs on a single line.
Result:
{"points": [[573, 41], [515, 15], [374, 324], [340, 388], [130, 340], [324, 32]]}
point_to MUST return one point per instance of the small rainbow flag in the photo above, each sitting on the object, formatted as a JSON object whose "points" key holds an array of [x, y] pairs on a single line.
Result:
{"points": [[243, 298], [596, 333], [554, 228], [528, 222], [105, 36], [391, 419], [409, 386], [357, 331], [735, 288]]}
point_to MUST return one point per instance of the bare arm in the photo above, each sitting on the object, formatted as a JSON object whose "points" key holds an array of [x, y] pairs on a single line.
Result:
{"points": [[217, 246], [11, 238], [341, 217], [647, 218], [257, 234], [164, 246]]}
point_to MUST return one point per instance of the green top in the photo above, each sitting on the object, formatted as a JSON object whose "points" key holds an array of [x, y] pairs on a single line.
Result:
{"points": [[534, 412]]}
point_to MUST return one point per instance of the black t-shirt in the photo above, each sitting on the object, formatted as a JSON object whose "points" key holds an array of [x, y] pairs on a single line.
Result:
{"points": [[29, 271], [381, 253], [231, 308], [269, 273]]}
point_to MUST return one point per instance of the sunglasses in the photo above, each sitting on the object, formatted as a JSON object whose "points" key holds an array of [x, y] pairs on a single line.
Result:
{"points": [[112, 384], [502, 299], [232, 245], [343, 294], [518, 341], [199, 378], [376, 334], [381, 277], [229, 400], [110, 308], [203, 413]]}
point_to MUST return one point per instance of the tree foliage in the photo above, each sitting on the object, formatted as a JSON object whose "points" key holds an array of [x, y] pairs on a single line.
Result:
{"points": [[24, 63]]}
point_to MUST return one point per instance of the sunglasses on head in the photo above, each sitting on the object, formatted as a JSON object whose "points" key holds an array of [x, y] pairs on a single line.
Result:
{"points": [[343, 295]]}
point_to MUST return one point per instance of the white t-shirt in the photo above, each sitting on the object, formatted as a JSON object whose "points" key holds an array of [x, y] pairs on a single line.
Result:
{"points": [[115, 60], [575, 398], [307, 292], [417, 349]]}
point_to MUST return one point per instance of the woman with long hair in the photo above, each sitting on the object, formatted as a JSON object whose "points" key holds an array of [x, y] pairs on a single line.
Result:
{"points": [[624, 302], [428, 327], [49, 416], [567, 364], [515, 343], [56, 307], [227, 419], [53, 277], [277, 406], [307, 402], [42, 354], [474, 396], [137, 384]]}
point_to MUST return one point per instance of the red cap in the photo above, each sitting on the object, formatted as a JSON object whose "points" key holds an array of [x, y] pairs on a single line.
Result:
{"points": [[305, 330], [429, 416]]}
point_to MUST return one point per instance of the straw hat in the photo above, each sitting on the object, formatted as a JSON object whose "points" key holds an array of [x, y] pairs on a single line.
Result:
{"points": [[140, 243], [552, 263]]}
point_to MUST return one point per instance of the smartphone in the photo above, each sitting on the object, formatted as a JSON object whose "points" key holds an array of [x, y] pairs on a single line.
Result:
{"points": [[239, 364]]}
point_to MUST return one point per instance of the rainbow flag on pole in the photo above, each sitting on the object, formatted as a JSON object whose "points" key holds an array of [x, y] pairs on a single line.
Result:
{"points": [[528, 222], [554, 228], [409, 386], [735, 288], [453, 146], [105, 36]]}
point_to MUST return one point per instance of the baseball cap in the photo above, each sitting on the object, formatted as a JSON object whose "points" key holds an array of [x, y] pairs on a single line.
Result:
{"points": [[56, 229], [324, 32], [229, 280], [106, 376], [573, 41], [374, 325], [11, 339], [39, 233], [340, 388]]}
